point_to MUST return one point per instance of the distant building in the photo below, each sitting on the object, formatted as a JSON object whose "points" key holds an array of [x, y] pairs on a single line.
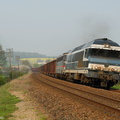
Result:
{"points": [[41, 62]]}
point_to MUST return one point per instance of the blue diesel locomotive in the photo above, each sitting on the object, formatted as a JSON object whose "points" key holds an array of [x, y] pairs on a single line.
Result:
{"points": [[94, 63]]}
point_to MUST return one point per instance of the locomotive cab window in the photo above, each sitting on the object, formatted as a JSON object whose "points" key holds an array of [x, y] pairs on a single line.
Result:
{"points": [[86, 53], [105, 53]]}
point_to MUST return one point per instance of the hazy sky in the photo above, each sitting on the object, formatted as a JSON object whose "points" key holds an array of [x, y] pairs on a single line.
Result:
{"points": [[52, 27]]}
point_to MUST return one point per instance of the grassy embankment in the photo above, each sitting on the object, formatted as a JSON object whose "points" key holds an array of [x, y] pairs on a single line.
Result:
{"points": [[117, 86], [7, 102]]}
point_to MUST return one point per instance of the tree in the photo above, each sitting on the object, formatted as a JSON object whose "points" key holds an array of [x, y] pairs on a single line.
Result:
{"points": [[36, 65], [26, 62], [2, 57]]}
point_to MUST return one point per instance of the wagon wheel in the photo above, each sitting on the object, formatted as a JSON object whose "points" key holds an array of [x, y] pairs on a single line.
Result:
{"points": [[84, 79]]}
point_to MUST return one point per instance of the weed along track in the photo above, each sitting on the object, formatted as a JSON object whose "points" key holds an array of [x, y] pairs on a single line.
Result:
{"points": [[102, 100]]}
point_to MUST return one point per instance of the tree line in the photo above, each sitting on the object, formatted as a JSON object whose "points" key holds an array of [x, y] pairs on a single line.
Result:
{"points": [[2, 57]]}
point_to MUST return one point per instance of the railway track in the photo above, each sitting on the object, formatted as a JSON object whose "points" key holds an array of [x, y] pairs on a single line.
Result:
{"points": [[103, 100]]}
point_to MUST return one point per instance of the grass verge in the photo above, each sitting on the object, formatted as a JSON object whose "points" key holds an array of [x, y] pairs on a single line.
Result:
{"points": [[41, 116], [7, 102], [117, 86]]}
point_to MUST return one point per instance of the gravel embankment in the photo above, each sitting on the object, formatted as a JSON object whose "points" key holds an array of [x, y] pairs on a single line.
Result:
{"points": [[62, 107]]}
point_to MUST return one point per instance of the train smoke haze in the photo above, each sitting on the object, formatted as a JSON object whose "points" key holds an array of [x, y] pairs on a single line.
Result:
{"points": [[93, 29]]}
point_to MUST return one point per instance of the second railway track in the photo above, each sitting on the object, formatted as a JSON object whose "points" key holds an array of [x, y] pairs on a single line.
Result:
{"points": [[103, 98]]}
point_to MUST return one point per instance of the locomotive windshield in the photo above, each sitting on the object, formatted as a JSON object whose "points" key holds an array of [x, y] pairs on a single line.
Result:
{"points": [[104, 53]]}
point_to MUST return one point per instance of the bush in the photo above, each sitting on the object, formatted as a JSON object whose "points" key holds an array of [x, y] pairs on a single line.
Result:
{"points": [[3, 80], [12, 75], [15, 74]]}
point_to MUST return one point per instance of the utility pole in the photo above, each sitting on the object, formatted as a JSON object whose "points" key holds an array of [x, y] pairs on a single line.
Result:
{"points": [[17, 58], [9, 52]]}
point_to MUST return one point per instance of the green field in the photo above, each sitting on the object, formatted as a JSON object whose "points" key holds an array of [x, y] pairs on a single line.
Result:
{"points": [[35, 60]]}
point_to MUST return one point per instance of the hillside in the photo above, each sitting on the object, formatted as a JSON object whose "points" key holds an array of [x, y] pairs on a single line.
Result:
{"points": [[37, 60], [31, 55]]}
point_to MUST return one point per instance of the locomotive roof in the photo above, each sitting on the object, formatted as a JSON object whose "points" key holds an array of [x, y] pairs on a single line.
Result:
{"points": [[99, 41]]}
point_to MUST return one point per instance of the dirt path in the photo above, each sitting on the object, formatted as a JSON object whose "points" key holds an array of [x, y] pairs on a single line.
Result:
{"points": [[28, 107]]}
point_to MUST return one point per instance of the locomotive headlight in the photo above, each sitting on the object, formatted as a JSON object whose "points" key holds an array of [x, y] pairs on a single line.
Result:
{"points": [[106, 45], [114, 69], [99, 68], [96, 67]]}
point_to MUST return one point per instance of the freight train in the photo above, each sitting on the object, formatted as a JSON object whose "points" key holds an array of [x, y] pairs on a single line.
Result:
{"points": [[96, 63]]}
